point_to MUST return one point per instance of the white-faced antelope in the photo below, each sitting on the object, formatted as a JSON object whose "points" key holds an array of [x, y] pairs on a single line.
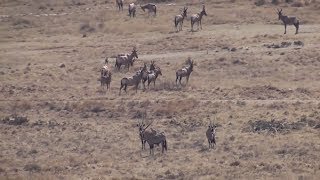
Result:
{"points": [[152, 77], [146, 73], [152, 8], [132, 10], [288, 20], [196, 18], [211, 135], [178, 19], [131, 81], [185, 72], [119, 4], [126, 60], [105, 75]]}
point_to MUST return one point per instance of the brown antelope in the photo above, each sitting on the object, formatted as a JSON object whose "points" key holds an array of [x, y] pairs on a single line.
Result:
{"points": [[178, 19], [126, 60], [288, 20], [119, 4], [196, 18], [211, 135], [131, 81], [132, 10], [150, 7], [152, 77], [185, 72], [105, 75], [146, 72]]}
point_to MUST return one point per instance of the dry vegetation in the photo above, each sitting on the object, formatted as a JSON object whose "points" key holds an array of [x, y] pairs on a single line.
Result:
{"points": [[261, 88]]}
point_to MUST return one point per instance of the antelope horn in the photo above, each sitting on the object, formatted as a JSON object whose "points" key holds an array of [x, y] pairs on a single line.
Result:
{"points": [[148, 125]]}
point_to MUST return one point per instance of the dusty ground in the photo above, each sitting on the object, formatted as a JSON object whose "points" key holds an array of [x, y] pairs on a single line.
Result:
{"points": [[75, 130]]}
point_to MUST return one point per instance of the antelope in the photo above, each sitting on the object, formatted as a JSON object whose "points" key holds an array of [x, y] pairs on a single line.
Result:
{"points": [[132, 10], [105, 75], [196, 18], [126, 60], [185, 72], [146, 73], [152, 77], [152, 138], [131, 81], [211, 135], [151, 8], [142, 132], [288, 20], [120, 4], [178, 19]]}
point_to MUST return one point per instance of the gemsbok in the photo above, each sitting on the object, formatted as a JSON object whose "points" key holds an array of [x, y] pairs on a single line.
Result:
{"points": [[132, 10], [196, 18], [152, 138], [105, 76], [152, 8], [131, 81], [211, 135], [185, 72], [178, 19], [119, 4], [126, 60], [288, 20]]}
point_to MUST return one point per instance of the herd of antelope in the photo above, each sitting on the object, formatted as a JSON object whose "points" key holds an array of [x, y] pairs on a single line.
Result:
{"points": [[143, 75], [150, 75]]}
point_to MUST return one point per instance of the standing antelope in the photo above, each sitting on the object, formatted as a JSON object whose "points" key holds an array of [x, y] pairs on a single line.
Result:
{"points": [[132, 10], [151, 8], [152, 77], [184, 72], [120, 4], [152, 138], [211, 135], [196, 18], [131, 81], [288, 20], [178, 19], [126, 60], [105, 75], [146, 73]]}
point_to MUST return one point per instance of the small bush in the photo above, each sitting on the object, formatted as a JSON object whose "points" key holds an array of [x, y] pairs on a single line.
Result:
{"points": [[260, 2], [32, 168], [275, 2], [84, 28], [297, 4]]}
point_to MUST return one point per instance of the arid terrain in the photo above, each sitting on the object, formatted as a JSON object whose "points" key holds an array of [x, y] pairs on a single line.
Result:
{"points": [[260, 87]]}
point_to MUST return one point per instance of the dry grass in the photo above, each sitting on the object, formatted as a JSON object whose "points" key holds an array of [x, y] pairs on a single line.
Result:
{"points": [[265, 101]]}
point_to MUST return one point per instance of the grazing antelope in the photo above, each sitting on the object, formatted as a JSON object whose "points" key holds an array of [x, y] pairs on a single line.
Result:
{"points": [[120, 4], [196, 18], [185, 72], [150, 7], [211, 135], [288, 20], [105, 75], [178, 19], [152, 77], [152, 138], [131, 81], [126, 60], [132, 10]]}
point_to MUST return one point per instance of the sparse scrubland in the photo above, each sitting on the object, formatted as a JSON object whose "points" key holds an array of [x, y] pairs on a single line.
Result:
{"points": [[260, 87]]}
